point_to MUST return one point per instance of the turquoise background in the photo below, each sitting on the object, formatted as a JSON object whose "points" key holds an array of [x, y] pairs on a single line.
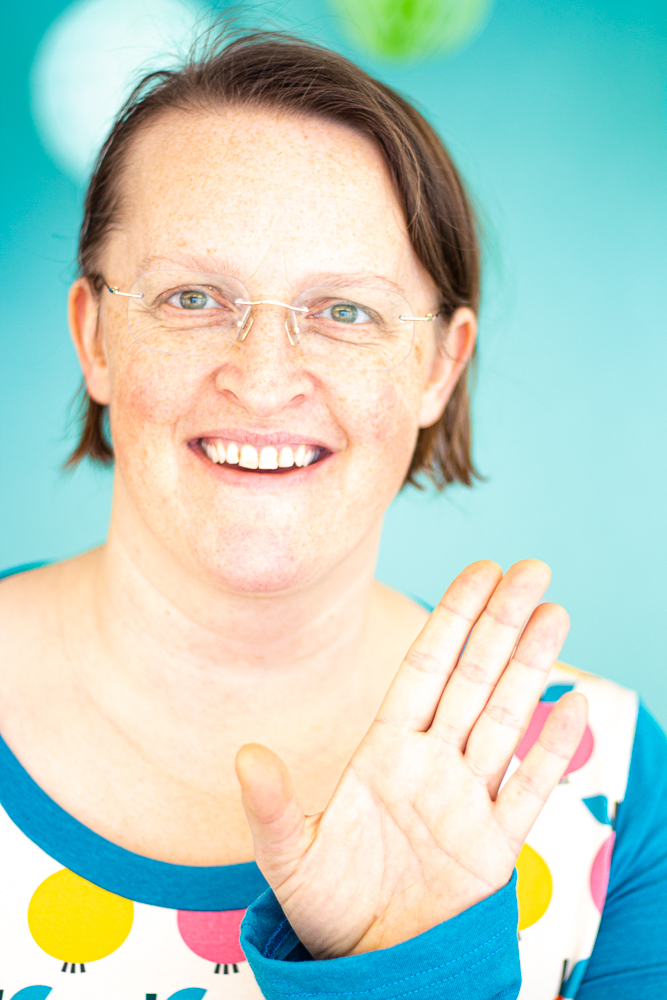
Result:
{"points": [[556, 115]]}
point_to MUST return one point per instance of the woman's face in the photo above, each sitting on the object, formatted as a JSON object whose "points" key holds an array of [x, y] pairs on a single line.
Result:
{"points": [[283, 205]]}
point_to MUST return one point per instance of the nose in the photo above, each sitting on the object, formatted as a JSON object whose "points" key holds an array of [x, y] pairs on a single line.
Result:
{"points": [[265, 369], [291, 313]]}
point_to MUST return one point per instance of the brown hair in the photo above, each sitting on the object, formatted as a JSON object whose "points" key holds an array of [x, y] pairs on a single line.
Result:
{"points": [[275, 71]]}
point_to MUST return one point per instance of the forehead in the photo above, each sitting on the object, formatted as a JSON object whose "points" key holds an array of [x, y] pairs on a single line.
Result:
{"points": [[262, 189]]}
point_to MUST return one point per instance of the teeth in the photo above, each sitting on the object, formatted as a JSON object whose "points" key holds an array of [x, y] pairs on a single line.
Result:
{"points": [[211, 451], [249, 457], [268, 458]]}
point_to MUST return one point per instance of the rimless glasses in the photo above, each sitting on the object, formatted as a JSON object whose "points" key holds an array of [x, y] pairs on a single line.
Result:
{"points": [[347, 328]]}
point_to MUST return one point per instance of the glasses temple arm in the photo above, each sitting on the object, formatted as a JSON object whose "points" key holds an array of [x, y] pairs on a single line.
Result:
{"points": [[128, 295]]}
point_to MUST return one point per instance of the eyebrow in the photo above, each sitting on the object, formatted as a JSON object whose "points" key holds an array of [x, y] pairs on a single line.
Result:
{"points": [[361, 278], [209, 265], [216, 265]]}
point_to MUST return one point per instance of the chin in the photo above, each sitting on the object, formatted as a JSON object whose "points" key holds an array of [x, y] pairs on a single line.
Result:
{"points": [[258, 563]]}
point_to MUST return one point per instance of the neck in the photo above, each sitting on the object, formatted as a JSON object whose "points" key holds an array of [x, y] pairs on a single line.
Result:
{"points": [[162, 616], [166, 674]]}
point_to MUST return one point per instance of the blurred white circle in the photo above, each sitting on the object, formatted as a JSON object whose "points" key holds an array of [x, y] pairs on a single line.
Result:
{"points": [[89, 60]]}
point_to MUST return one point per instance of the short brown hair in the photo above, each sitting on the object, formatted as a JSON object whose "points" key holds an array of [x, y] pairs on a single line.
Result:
{"points": [[275, 71]]}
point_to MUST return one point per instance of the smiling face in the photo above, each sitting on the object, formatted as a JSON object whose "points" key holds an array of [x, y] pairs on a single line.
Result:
{"points": [[281, 205]]}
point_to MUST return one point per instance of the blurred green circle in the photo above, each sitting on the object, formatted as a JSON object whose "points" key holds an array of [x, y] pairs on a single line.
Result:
{"points": [[409, 30]]}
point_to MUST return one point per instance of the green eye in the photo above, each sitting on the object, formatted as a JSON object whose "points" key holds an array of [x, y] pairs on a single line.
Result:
{"points": [[344, 312], [193, 300]]}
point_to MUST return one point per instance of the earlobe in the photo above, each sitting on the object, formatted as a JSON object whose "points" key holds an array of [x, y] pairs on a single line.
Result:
{"points": [[449, 360], [84, 328]]}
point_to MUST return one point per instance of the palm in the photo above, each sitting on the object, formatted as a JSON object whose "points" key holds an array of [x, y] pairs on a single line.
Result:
{"points": [[417, 830], [403, 853]]}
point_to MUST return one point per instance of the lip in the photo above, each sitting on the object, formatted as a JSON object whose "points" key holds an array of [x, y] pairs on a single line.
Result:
{"points": [[263, 440], [255, 480]]}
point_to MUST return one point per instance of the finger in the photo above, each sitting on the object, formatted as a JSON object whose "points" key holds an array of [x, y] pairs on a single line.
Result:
{"points": [[413, 696], [276, 820], [489, 648], [498, 731], [521, 800]]}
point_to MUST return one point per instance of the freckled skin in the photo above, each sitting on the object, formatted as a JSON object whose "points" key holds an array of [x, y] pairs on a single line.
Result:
{"points": [[227, 607], [281, 201], [227, 647]]}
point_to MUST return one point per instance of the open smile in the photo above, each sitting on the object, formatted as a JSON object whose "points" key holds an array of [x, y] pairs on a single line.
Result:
{"points": [[269, 458]]}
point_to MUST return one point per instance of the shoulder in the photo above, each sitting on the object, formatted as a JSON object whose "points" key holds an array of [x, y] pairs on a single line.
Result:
{"points": [[27, 598], [28, 627], [404, 605], [629, 755], [22, 589], [645, 806], [601, 763], [397, 615], [607, 700], [394, 622], [31, 620]]}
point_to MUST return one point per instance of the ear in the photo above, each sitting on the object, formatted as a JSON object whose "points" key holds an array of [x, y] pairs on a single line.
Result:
{"points": [[84, 307], [450, 358]]}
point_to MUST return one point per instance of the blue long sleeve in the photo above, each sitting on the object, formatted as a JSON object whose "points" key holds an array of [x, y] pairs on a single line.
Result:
{"points": [[474, 955], [629, 960]]}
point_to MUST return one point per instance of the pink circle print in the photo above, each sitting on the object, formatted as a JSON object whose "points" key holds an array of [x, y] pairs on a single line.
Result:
{"points": [[531, 735], [600, 872], [213, 935]]}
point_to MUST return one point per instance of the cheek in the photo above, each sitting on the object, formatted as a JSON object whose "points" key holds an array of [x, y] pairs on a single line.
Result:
{"points": [[387, 425], [391, 418], [147, 399], [399, 408]]}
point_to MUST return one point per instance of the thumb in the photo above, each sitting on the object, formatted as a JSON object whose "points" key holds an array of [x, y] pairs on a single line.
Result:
{"points": [[276, 820]]}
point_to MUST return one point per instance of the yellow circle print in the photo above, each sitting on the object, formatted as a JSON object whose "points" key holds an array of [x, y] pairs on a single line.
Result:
{"points": [[75, 921], [534, 886]]}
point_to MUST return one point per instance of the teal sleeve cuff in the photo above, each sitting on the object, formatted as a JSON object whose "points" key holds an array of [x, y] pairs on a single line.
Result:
{"points": [[474, 955]]}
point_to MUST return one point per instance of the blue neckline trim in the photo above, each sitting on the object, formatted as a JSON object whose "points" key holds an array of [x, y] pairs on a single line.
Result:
{"points": [[23, 568], [144, 880]]}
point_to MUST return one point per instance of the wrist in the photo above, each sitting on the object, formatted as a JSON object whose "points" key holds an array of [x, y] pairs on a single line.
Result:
{"points": [[474, 953]]}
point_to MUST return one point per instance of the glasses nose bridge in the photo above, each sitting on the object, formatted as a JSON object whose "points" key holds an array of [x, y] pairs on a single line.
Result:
{"points": [[290, 310]]}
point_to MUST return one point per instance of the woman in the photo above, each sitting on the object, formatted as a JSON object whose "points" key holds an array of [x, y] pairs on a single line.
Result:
{"points": [[276, 309]]}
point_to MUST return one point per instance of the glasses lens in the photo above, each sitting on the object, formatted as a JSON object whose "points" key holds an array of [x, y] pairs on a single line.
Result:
{"points": [[186, 312], [354, 328]]}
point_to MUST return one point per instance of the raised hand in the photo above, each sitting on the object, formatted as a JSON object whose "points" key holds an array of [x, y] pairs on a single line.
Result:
{"points": [[418, 828]]}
